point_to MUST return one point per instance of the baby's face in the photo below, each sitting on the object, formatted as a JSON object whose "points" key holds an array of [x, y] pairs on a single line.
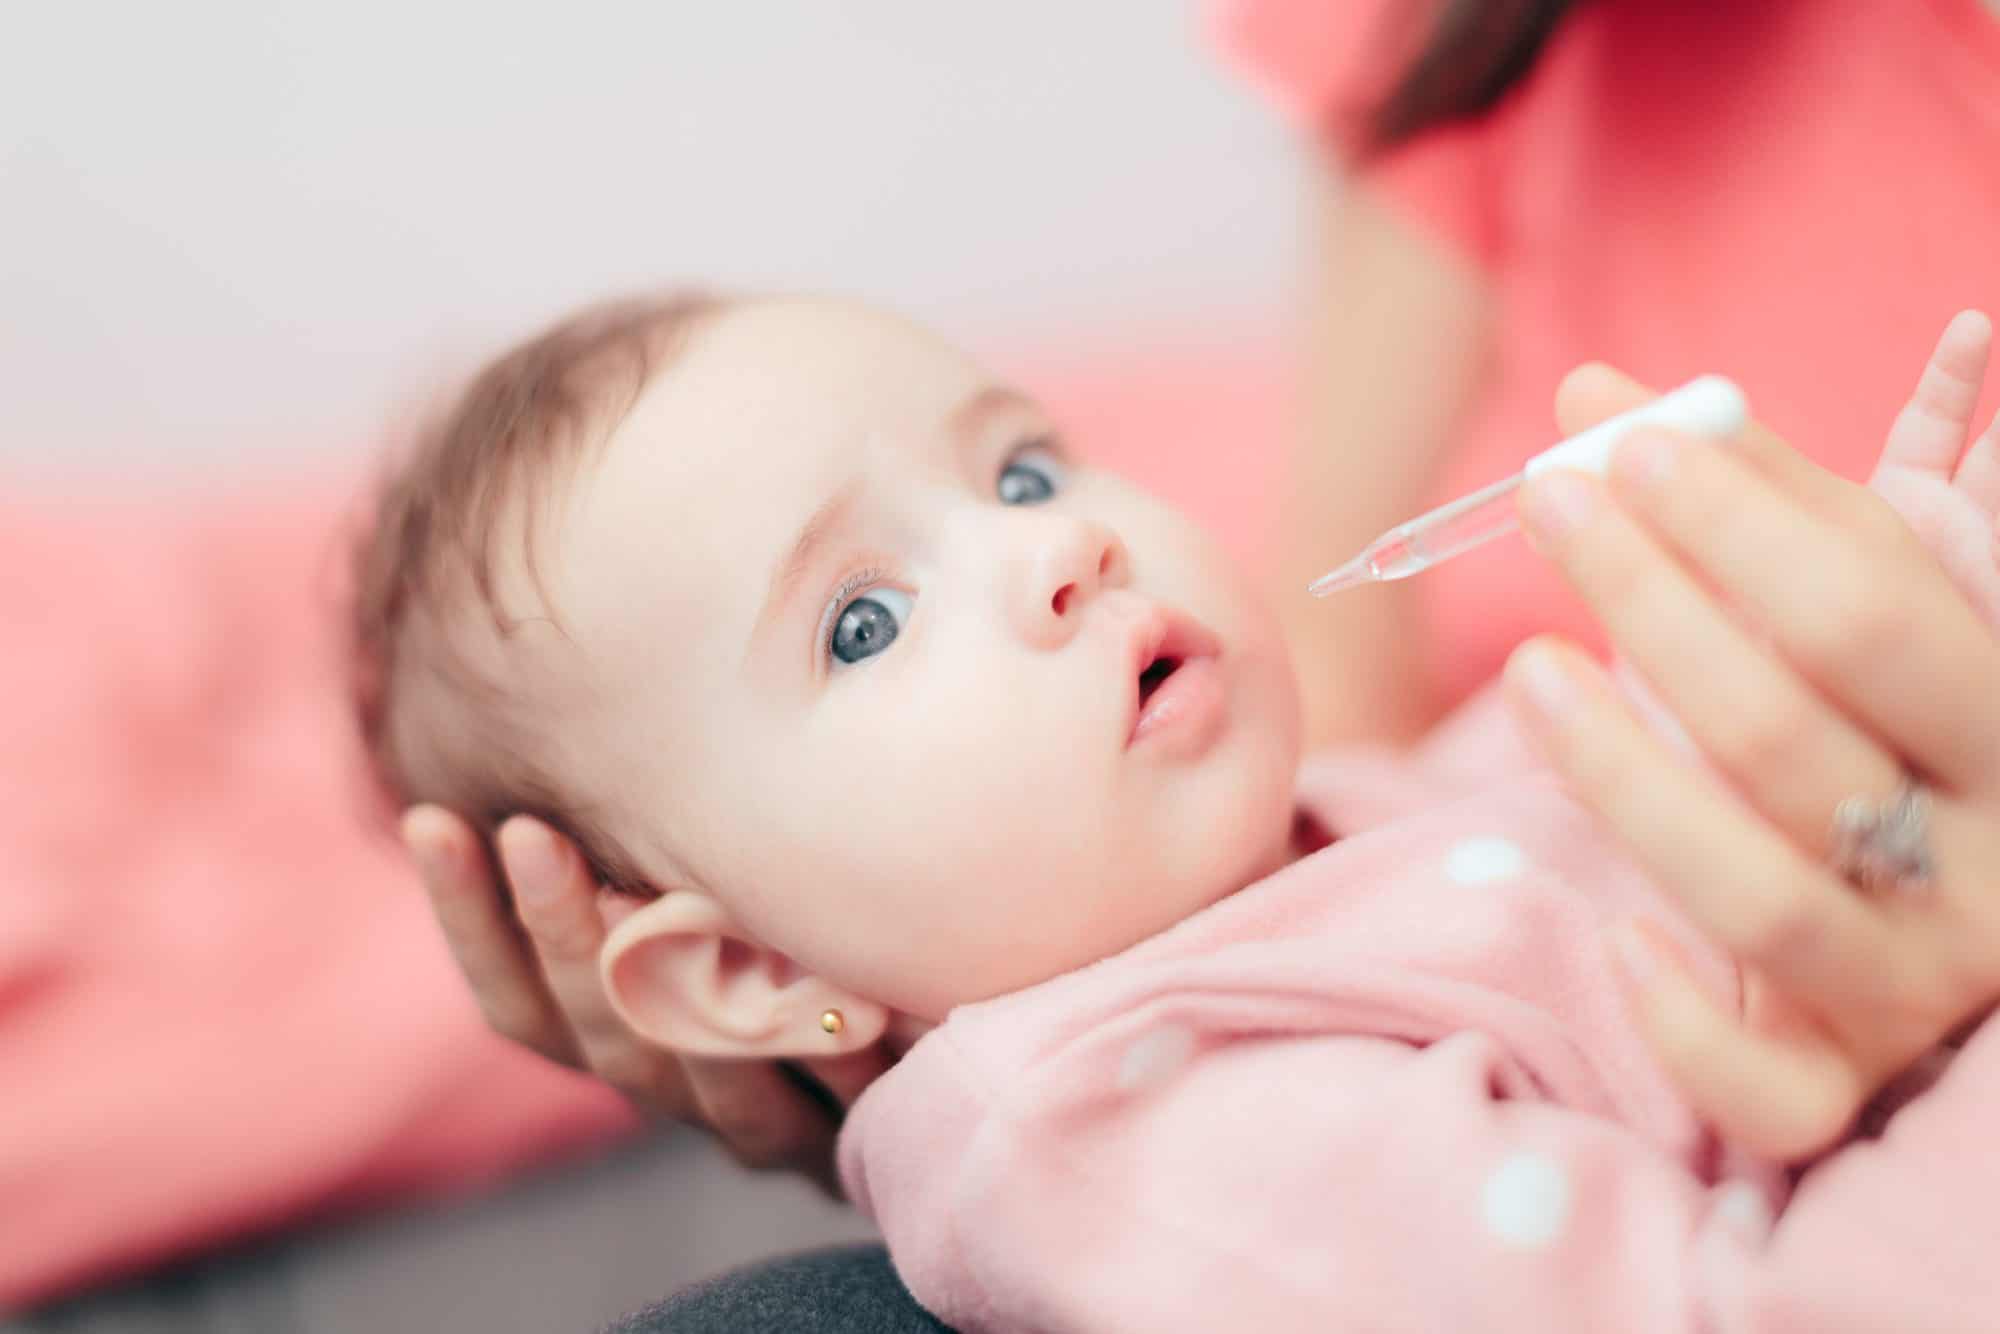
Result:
{"points": [[875, 661]]}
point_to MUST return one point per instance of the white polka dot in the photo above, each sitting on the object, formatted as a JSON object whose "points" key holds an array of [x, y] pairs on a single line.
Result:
{"points": [[1481, 861], [1743, 1207], [1155, 1056], [1526, 1200]]}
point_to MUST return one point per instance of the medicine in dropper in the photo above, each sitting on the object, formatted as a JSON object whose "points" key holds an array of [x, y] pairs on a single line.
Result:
{"points": [[1711, 407]]}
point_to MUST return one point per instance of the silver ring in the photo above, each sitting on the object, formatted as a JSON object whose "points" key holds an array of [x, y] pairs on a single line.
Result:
{"points": [[1885, 845]]}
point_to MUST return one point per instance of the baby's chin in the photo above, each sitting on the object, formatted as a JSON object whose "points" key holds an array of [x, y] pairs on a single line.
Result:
{"points": [[1277, 849], [1265, 778], [1276, 819], [1248, 832]]}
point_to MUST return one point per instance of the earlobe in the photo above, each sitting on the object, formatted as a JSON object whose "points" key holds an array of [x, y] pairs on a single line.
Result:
{"points": [[682, 973]]}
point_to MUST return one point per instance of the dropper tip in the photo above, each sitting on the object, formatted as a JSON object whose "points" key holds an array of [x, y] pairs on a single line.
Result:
{"points": [[1354, 572]]}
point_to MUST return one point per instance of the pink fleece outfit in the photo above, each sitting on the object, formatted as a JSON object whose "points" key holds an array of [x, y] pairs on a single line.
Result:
{"points": [[1394, 1087]]}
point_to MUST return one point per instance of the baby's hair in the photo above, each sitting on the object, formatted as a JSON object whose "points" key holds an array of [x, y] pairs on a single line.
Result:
{"points": [[436, 726]]}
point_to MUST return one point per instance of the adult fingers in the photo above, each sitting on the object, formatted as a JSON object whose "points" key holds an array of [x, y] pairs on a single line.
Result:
{"points": [[846, 1077], [1595, 391], [1745, 884], [1795, 758], [489, 946], [557, 898], [1862, 610], [759, 1115], [1785, 1094]]}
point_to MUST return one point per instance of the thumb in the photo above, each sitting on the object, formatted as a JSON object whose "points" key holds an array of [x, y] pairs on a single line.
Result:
{"points": [[1593, 392]]}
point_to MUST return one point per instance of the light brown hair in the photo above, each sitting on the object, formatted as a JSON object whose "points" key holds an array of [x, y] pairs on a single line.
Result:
{"points": [[476, 484]]}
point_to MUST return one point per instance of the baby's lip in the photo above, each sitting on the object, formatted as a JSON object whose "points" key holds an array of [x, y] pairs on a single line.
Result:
{"points": [[1163, 634]]}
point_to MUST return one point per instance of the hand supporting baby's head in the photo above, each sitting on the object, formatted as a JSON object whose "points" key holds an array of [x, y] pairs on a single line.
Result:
{"points": [[801, 624]]}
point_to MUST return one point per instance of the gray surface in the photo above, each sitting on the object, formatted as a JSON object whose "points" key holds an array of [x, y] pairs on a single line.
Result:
{"points": [[565, 1252], [844, 1290]]}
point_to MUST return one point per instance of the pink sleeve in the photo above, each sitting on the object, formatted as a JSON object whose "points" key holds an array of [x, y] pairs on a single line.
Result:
{"points": [[1358, 1182], [1321, 61]]}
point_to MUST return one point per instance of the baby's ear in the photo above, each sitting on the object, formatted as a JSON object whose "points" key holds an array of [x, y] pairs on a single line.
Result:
{"points": [[684, 975]]}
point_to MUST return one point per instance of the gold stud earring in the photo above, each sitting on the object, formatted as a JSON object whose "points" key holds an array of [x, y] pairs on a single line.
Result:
{"points": [[833, 1021]]}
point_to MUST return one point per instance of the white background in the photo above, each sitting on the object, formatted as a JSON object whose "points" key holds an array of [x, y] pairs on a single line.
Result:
{"points": [[245, 230]]}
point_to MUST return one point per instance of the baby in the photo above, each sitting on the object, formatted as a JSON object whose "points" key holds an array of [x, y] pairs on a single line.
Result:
{"points": [[904, 719]]}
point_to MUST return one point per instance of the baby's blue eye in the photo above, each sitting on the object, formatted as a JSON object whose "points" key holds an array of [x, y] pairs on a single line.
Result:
{"points": [[869, 624], [1031, 476]]}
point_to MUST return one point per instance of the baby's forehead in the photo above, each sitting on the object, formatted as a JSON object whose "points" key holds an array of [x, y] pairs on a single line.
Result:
{"points": [[769, 406], [663, 563], [730, 448], [798, 376]]}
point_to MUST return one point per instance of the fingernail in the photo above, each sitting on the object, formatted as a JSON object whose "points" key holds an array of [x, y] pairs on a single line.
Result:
{"points": [[530, 857], [1535, 669], [1645, 457], [411, 827], [418, 842], [1556, 502]]}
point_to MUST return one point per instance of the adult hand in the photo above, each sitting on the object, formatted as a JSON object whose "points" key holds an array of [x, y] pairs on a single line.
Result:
{"points": [[536, 979], [1816, 646]]}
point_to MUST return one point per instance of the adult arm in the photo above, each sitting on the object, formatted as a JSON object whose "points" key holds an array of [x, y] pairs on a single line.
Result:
{"points": [[1397, 333]]}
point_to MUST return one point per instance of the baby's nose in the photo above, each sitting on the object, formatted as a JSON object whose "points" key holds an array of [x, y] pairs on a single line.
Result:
{"points": [[1074, 561]]}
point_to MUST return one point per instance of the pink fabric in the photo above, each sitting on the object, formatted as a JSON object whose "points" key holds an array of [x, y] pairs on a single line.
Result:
{"points": [[223, 1003], [1797, 193], [1394, 1087]]}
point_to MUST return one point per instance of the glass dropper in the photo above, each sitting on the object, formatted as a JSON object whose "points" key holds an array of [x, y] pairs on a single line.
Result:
{"points": [[1710, 407]]}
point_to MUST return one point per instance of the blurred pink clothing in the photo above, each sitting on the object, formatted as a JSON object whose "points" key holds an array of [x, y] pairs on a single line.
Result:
{"points": [[1394, 1087], [1795, 193], [223, 1001]]}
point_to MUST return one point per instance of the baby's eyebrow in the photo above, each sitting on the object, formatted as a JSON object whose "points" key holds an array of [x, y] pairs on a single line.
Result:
{"points": [[969, 418], [812, 537], [963, 427]]}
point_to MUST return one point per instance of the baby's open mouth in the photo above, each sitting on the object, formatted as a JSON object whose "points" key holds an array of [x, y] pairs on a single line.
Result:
{"points": [[1174, 658], [1157, 671]]}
